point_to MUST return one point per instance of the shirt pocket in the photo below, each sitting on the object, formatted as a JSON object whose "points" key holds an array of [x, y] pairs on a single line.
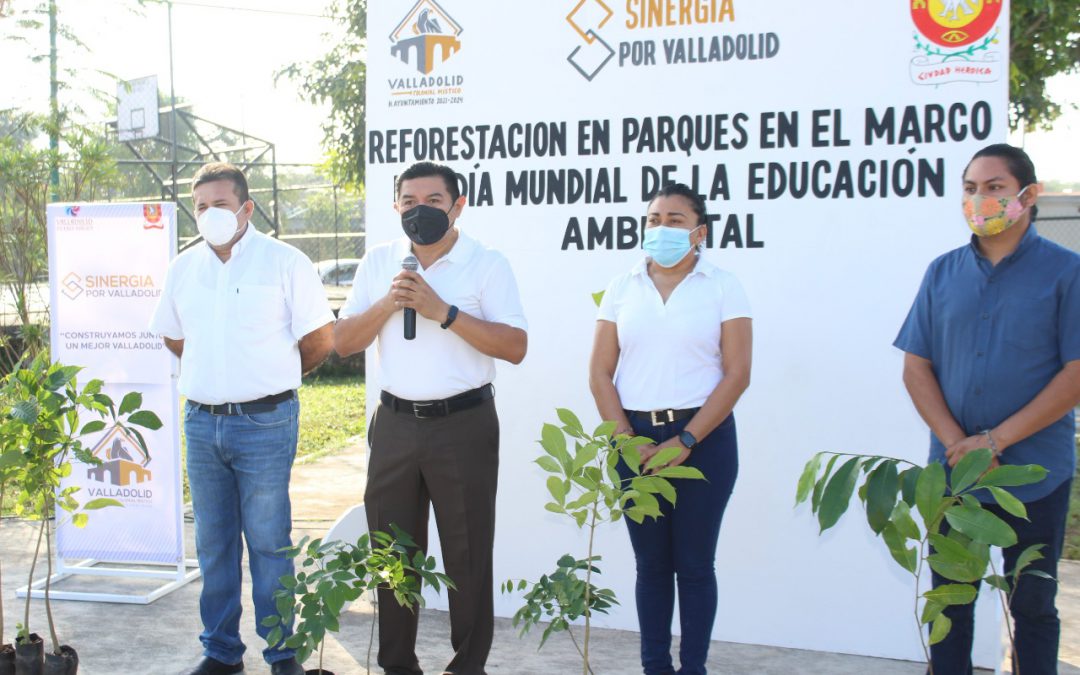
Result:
{"points": [[1029, 323], [259, 308]]}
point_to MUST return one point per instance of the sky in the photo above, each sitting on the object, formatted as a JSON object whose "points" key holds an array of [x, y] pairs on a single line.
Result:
{"points": [[225, 61]]}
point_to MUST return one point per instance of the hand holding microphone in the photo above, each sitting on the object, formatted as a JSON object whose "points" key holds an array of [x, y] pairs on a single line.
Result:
{"points": [[410, 264]]}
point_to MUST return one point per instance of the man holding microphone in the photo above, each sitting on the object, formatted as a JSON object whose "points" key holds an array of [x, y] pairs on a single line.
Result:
{"points": [[440, 308]]}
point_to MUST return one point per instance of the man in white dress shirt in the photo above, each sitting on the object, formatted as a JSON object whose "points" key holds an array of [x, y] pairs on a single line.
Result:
{"points": [[435, 437], [247, 315]]}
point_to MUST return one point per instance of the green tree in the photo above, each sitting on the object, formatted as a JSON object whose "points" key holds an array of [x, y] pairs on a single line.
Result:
{"points": [[1045, 42], [340, 78]]}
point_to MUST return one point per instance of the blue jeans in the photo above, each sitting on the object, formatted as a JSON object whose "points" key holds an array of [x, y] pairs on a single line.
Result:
{"points": [[682, 545], [1035, 617], [238, 468]]}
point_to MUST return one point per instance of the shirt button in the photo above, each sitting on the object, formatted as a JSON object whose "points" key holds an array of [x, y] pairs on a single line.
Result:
{"points": [[978, 353], [978, 390], [985, 316]]}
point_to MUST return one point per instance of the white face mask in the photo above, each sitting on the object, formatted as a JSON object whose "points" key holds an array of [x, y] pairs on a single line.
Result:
{"points": [[217, 225]]}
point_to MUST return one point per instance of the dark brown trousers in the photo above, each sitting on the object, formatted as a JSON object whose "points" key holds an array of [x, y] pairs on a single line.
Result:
{"points": [[452, 464]]}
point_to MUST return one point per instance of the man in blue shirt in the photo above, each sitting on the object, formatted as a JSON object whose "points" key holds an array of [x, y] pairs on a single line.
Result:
{"points": [[992, 360]]}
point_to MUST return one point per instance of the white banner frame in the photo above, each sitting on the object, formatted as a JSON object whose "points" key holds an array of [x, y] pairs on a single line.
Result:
{"points": [[138, 371]]}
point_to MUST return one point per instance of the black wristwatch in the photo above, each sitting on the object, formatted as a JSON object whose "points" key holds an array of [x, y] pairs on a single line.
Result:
{"points": [[451, 314], [687, 439]]}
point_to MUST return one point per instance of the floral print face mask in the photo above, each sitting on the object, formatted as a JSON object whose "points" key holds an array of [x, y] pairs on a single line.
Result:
{"points": [[987, 216]]}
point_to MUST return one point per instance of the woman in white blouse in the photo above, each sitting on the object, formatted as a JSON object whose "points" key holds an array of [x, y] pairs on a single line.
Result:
{"points": [[670, 359]]}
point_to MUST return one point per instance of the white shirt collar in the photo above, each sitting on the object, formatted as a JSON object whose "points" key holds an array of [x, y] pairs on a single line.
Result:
{"points": [[242, 243], [703, 266], [460, 253]]}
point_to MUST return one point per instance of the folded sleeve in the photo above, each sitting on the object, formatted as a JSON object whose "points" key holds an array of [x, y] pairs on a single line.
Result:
{"points": [[1069, 318], [735, 303], [165, 321], [916, 333], [306, 298], [499, 299]]}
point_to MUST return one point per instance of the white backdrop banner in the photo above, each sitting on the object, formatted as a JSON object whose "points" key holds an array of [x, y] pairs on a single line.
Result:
{"points": [[107, 267], [829, 144]]}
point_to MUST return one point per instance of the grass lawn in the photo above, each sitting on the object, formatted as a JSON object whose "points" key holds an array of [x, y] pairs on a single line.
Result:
{"points": [[331, 415], [1072, 527]]}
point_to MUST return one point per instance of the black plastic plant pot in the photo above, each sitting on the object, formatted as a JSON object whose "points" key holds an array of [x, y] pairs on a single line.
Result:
{"points": [[316, 671], [30, 655], [64, 663], [7, 660]]}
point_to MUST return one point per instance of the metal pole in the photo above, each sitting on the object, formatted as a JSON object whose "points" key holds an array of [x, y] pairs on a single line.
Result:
{"points": [[335, 227], [54, 110], [172, 117], [273, 170]]}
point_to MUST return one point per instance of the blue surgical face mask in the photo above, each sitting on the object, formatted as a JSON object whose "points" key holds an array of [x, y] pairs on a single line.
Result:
{"points": [[667, 246]]}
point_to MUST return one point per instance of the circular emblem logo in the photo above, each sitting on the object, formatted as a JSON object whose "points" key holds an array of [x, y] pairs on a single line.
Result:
{"points": [[955, 23]]}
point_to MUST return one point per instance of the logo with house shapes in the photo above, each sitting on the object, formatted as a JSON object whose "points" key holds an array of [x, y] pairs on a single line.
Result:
{"points": [[426, 38], [118, 452]]}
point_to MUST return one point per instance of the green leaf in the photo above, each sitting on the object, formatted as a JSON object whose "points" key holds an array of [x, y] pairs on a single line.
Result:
{"points": [[908, 480], [940, 629], [145, 418], [980, 525], [554, 508], [931, 610], [605, 429], [26, 411], [952, 594], [569, 419], [79, 520], [548, 464], [969, 468], [1008, 502], [680, 471], [666, 489], [999, 582], [585, 455], [598, 297], [955, 561], [663, 457], [819, 486], [1012, 475], [1026, 557], [132, 401], [553, 441], [929, 491], [806, 479], [100, 503], [905, 557], [92, 427], [837, 494], [881, 487], [905, 524]]}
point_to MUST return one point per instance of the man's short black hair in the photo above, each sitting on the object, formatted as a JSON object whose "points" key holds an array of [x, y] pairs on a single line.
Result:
{"points": [[425, 169], [216, 171]]}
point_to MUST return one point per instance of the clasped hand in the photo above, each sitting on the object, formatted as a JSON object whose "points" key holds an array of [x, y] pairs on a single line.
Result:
{"points": [[409, 289], [955, 452]]}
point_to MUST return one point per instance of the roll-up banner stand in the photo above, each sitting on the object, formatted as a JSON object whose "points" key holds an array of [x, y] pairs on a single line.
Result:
{"points": [[829, 140], [107, 266]]}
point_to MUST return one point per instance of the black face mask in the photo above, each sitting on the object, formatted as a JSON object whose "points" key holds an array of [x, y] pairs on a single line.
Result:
{"points": [[424, 224]]}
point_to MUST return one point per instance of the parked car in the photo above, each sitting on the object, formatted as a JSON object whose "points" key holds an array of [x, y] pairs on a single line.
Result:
{"points": [[337, 278]]}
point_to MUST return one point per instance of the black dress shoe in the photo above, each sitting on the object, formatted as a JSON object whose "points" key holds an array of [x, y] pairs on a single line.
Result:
{"points": [[209, 666], [286, 667]]}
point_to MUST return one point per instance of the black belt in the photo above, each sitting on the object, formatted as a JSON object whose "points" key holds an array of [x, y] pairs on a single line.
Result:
{"points": [[439, 408], [264, 404], [661, 417]]}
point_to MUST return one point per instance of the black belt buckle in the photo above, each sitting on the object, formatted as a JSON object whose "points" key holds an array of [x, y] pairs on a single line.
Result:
{"points": [[220, 408], [658, 421], [428, 409]]}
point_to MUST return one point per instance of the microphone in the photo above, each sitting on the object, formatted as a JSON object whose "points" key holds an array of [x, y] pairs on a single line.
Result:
{"points": [[411, 264]]}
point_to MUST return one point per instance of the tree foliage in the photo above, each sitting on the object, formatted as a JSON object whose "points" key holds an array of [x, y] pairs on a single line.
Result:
{"points": [[340, 79], [1045, 42]]}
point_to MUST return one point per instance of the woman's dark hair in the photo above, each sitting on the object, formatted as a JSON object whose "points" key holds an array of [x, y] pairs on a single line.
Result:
{"points": [[1020, 165], [697, 202]]}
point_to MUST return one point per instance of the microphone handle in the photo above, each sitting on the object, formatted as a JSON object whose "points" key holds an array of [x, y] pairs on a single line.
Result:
{"points": [[410, 323]]}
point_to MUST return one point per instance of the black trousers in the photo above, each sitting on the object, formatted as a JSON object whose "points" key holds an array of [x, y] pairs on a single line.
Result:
{"points": [[452, 464]]}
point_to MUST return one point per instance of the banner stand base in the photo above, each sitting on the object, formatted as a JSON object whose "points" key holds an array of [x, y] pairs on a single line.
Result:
{"points": [[178, 576]]}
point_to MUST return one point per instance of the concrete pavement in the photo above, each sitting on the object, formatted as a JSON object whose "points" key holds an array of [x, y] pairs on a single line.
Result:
{"points": [[161, 638]]}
